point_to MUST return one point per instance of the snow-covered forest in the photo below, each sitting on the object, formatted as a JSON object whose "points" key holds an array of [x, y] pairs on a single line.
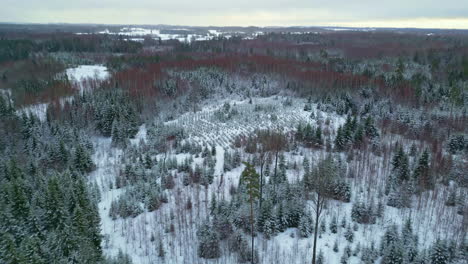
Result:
{"points": [[271, 146]]}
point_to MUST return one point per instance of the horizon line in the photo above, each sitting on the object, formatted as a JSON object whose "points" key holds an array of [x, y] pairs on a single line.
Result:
{"points": [[214, 26]]}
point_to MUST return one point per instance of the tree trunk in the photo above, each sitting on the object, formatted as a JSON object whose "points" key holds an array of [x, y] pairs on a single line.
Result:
{"points": [[252, 228], [261, 183], [274, 175], [317, 215]]}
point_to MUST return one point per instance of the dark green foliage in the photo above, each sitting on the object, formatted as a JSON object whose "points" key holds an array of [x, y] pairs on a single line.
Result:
{"points": [[267, 222], [369, 254], [422, 172], [393, 255], [306, 225], [456, 144], [349, 234], [440, 253], [82, 160], [400, 165], [6, 107], [335, 246], [208, 246], [355, 132], [89, 43], [399, 247], [452, 199], [334, 225], [116, 115], [363, 214], [70, 217], [15, 49], [47, 214], [309, 136]]}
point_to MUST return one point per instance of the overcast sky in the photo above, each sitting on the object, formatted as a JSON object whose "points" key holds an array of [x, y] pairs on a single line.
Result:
{"points": [[363, 13]]}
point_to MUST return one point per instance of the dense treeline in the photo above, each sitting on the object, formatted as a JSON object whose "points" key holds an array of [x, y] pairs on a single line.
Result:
{"points": [[33, 80], [19, 49], [109, 112], [49, 211], [15, 49]]}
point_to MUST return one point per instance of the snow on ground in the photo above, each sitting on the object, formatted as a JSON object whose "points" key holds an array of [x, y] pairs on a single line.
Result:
{"points": [[39, 110], [214, 32], [83, 73], [135, 34], [263, 113], [134, 235], [140, 236]]}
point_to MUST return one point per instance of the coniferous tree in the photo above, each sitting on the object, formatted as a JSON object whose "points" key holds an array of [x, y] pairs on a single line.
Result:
{"points": [[440, 253], [334, 225], [422, 173], [251, 179], [306, 225], [349, 234]]}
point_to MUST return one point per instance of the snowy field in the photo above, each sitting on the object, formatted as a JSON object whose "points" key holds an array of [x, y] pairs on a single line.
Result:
{"points": [[137, 34], [86, 72]]}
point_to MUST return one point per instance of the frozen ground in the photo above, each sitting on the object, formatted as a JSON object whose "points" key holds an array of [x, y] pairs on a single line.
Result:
{"points": [[83, 73], [140, 236], [204, 127]]}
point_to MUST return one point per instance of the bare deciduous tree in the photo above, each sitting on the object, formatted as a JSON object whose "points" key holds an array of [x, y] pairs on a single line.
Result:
{"points": [[321, 177]]}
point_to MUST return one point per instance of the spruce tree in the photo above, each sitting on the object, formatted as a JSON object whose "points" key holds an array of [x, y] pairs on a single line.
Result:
{"points": [[440, 253]]}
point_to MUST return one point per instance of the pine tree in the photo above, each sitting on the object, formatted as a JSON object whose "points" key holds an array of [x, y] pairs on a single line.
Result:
{"points": [[335, 246], [250, 178], [393, 255], [358, 136], [300, 132], [148, 161], [208, 246], [340, 142], [306, 225], [440, 253], [400, 165], [82, 160], [349, 234], [422, 173], [334, 225], [370, 129], [318, 136], [452, 198], [323, 227], [281, 219], [456, 144]]}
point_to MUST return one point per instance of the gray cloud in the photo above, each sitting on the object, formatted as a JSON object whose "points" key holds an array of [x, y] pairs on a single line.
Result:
{"points": [[238, 12]]}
